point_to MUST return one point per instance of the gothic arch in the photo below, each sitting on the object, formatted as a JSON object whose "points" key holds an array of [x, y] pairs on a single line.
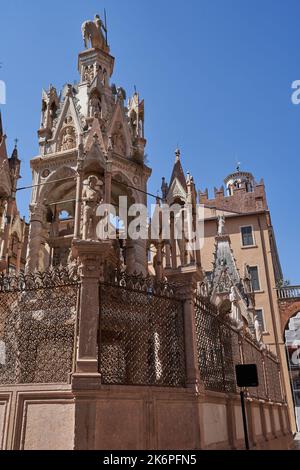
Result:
{"points": [[288, 310], [60, 173], [123, 187]]}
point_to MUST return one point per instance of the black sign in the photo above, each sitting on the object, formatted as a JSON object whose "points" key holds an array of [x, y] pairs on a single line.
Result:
{"points": [[246, 375]]}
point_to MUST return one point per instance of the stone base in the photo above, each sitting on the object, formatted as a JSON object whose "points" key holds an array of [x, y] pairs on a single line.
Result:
{"points": [[35, 417]]}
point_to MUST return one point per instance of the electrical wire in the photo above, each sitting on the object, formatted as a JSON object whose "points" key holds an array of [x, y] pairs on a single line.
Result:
{"points": [[72, 177]]}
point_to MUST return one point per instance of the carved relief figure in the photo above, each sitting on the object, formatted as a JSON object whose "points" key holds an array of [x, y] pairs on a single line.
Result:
{"points": [[92, 196], [95, 105], [235, 312], [68, 140], [118, 140]]}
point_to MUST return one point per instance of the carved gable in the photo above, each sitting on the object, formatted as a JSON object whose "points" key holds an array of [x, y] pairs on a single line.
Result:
{"points": [[176, 191], [68, 126], [120, 133]]}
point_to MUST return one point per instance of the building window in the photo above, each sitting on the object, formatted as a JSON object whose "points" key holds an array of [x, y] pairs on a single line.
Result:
{"points": [[261, 319], [253, 270], [247, 236]]}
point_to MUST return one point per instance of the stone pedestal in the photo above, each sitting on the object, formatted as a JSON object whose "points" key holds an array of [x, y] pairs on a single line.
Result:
{"points": [[92, 256]]}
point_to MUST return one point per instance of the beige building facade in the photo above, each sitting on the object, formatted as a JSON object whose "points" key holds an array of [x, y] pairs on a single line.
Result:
{"points": [[242, 202]]}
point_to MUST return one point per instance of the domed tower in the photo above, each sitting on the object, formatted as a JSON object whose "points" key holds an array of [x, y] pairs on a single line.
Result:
{"points": [[239, 179]]}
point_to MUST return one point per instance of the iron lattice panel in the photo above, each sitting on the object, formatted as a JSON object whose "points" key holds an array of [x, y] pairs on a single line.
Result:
{"points": [[141, 338], [231, 356], [218, 348], [37, 334], [273, 379], [252, 355]]}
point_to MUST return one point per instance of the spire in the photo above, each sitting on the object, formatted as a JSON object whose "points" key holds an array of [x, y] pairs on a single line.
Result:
{"points": [[14, 155], [178, 171]]}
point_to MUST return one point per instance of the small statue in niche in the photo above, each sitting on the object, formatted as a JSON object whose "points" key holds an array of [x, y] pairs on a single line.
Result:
{"points": [[133, 123], [235, 312], [69, 139], [247, 280], [119, 144], [95, 106], [92, 196], [88, 75]]}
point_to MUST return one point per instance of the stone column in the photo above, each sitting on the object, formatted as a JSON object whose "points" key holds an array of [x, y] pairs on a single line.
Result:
{"points": [[79, 183], [19, 253], [79, 180], [168, 254], [130, 256], [92, 255], [108, 178], [36, 236], [87, 379], [173, 244], [187, 279], [6, 233], [159, 265], [140, 255], [191, 355]]}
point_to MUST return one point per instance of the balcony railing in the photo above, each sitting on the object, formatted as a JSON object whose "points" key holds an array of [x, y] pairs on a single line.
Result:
{"points": [[288, 292]]}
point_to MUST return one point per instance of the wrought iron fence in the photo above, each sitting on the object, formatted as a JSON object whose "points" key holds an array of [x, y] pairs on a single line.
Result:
{"points": [[141, 328], [220, 347], [37, 324]]}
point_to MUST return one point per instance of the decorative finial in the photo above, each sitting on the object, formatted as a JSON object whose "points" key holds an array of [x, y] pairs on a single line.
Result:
{"points": [[177, 154], [238, 167], [16, 142]]}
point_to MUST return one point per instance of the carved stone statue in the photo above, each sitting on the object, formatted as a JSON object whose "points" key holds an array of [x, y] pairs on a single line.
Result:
{"points": [[257, 327], [92, 196], [221, 224], [247, 280], [92, 31], [119, 144], [95, 106], [68, 141], [235, 311], [72, 264]]}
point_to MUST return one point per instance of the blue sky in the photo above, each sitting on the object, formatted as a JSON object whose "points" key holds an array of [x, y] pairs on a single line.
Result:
{"points": [[215, 74]]}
